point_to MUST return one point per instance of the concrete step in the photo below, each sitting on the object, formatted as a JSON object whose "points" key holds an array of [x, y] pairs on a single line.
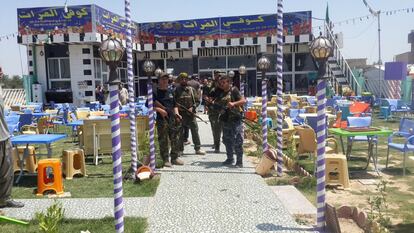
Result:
{"points": [[293, 200]]}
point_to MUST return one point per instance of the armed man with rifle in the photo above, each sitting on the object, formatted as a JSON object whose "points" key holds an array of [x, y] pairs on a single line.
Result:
{"points": [[187, 101], [230, 116], [209, 94], [168, 122]]}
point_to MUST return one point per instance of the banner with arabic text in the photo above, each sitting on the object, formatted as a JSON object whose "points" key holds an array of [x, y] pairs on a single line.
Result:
{"points": [[43, 20], [114, 24], [295, 23]]}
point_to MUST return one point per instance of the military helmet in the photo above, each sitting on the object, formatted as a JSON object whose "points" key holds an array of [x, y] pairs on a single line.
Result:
{"points": [[182, 75]]}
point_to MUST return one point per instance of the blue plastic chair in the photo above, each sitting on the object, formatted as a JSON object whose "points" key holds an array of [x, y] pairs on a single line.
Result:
{"points": [[361, 122], [294, 104], [25, 119], [294, 115], [12, 123], [405, 130], [27, 111]]}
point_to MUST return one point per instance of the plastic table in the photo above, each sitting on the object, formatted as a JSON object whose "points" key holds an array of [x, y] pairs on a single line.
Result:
{"points": [[46, 139], [369, 134]]}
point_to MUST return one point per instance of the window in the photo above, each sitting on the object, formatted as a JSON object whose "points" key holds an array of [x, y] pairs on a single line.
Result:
{"points": [[301, 83], [180, 65], [287, 83], [100, 72], [98, 69], [59, 73], [304, 62], [212, 62]]}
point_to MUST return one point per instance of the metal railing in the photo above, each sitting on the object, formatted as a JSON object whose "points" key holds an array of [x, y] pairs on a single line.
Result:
{"points": [[342, 63]]}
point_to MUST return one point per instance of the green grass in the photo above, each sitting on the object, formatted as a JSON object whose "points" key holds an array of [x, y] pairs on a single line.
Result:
{"points": [[99, 180], [136, 225], [401, 202]]}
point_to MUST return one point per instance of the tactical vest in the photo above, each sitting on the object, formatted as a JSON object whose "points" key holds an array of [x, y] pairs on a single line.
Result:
{"points": [[226, 115], [185, 96]]}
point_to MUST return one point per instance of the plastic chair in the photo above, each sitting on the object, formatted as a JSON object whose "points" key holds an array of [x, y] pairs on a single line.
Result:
{"points": [[12, 123], [307, 141], [294, 115], [361, 122], [25, 119], [49, 177], [405, 130]]}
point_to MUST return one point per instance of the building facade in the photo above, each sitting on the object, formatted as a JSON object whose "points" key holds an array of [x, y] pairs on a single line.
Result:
{"points": [[63, 49]]}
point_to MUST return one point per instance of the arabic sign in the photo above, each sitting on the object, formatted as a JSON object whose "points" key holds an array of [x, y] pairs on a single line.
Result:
{"points": [[43, 20], [225, 27], [79, 19], [110, 23]]}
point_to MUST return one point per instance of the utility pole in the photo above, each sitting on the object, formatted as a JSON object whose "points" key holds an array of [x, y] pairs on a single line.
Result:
{"points": [[379, 53]]}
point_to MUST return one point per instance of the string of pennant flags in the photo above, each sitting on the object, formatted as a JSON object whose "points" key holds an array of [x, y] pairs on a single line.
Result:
{"points": [[365, 18], [353, 21]]}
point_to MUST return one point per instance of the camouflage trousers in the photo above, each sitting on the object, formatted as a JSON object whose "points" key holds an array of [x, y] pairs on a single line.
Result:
{"points": [[191, 123], [233, 139], [216, 128], [168, 132], [6, 169]]}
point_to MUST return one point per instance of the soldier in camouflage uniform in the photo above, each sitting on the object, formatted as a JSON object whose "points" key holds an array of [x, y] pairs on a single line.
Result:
{"points": [[209, 96], [187, 98], [168, 122], [231, 109]]}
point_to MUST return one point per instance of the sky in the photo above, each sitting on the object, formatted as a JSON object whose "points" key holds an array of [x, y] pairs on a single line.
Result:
{"points": [[360, 38]]}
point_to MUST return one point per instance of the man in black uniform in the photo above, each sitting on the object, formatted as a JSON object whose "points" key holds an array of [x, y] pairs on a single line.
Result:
{"points": [[231, 104], [168, 122]]}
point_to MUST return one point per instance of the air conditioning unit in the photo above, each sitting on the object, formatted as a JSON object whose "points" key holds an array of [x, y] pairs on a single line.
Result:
{"points": [[37, 94]]}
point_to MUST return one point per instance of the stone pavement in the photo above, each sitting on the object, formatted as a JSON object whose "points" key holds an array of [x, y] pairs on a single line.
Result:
{"points": [[83, 208], [203, 196], [293, 200]]}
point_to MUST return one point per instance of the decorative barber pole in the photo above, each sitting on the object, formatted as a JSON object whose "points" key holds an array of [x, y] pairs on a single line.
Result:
{"points": [[111, 51], [131, 89], [263, 65], [149, 68], [321, 49], [279, 73]]}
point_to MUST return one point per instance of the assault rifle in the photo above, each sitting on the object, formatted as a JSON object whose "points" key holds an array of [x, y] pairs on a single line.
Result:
{"points": [[190, 112], [170, 112], [224, 109]]}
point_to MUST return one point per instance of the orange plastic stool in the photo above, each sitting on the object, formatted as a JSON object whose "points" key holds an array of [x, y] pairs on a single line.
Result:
{"points": [[73, 163], [49, 180], [251, 115], [30, 163]]}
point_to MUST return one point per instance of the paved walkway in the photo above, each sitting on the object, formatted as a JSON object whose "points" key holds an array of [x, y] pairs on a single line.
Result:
{"points": [[83, 208], [203, 196]]}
